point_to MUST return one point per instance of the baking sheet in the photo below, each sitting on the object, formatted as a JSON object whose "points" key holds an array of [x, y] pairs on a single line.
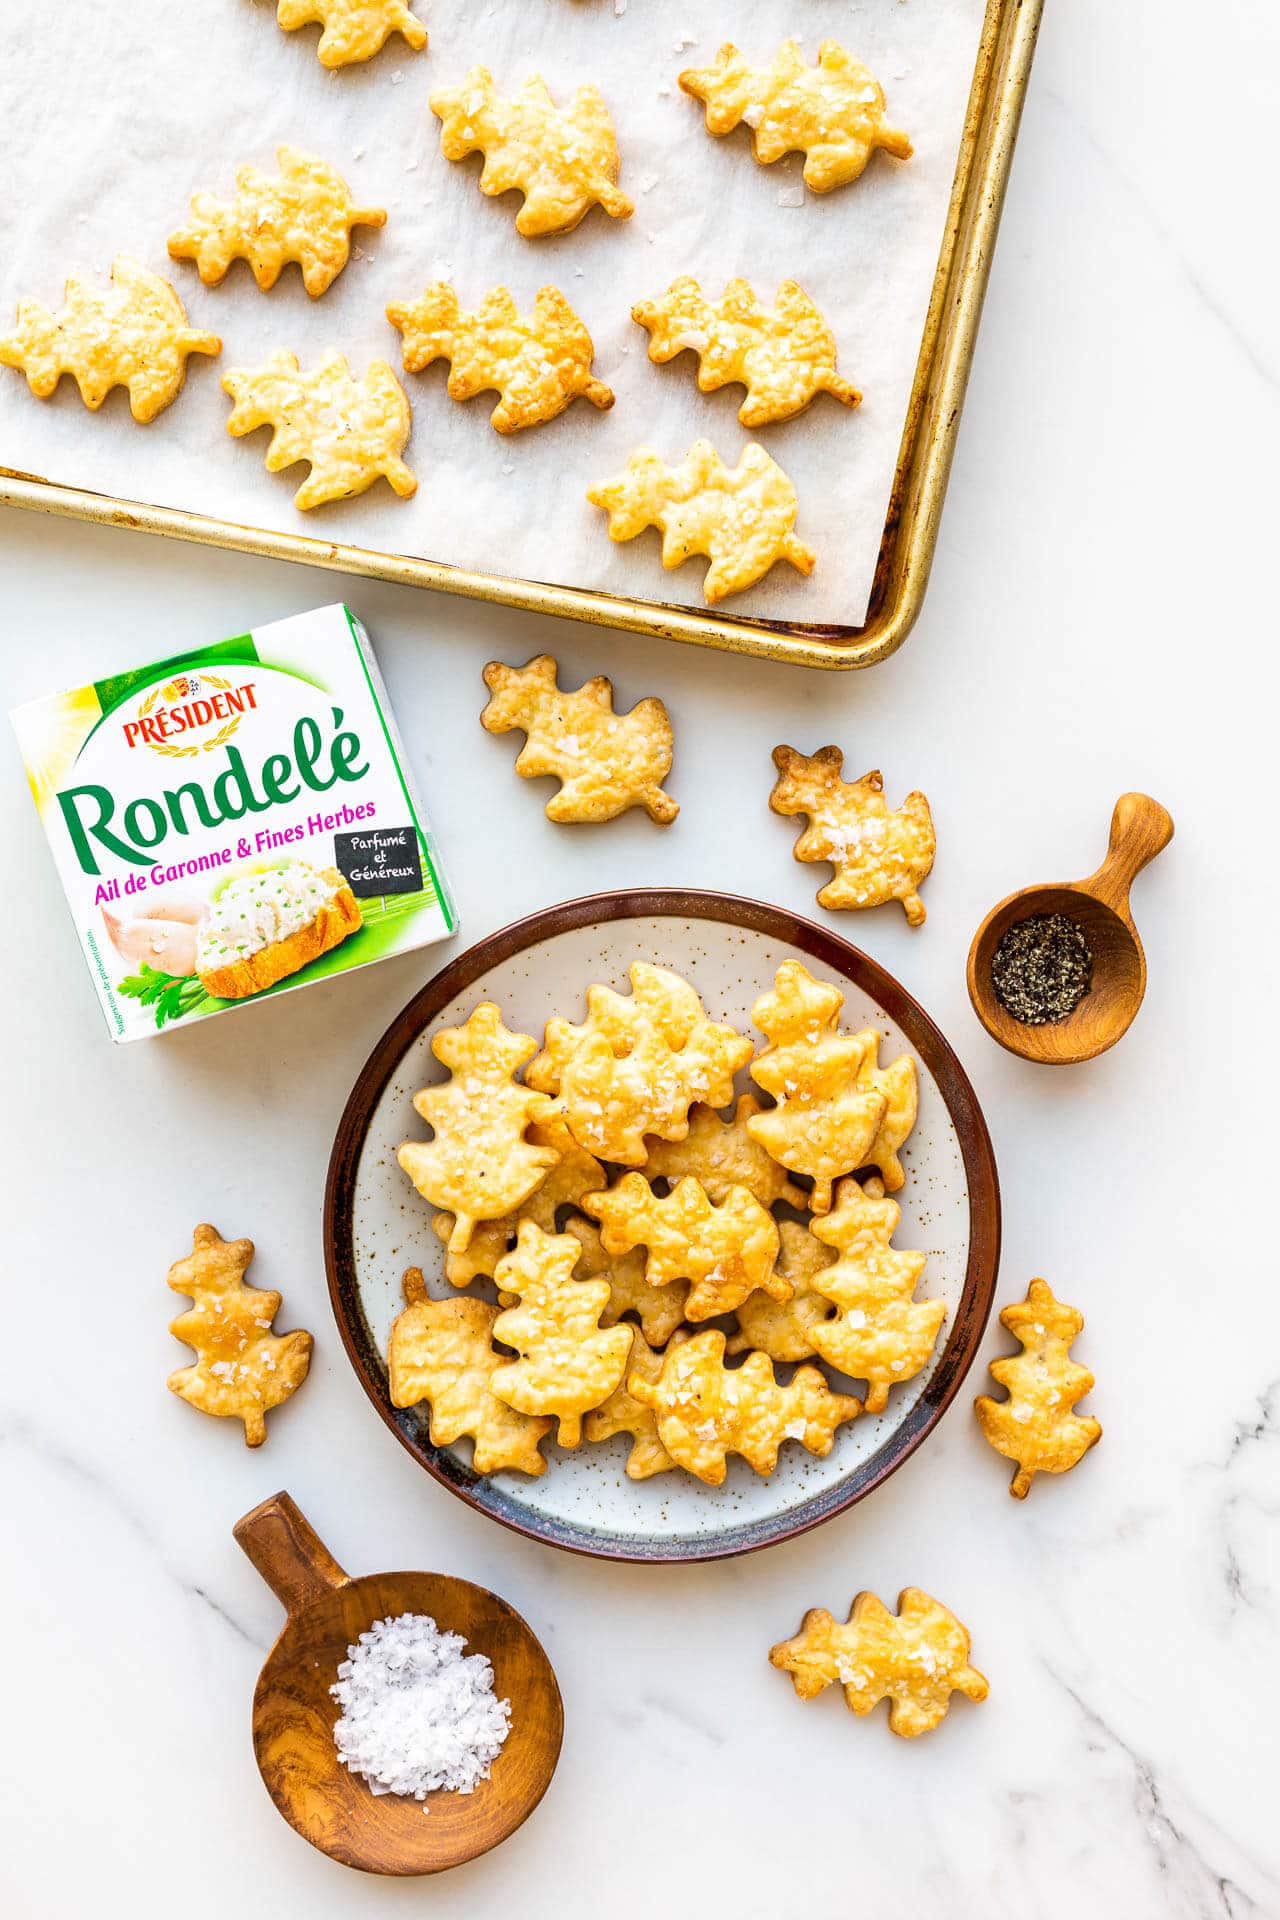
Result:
{"points": [[115, 116]]}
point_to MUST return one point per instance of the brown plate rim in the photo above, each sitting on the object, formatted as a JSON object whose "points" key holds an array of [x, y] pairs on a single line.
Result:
{"points": [[830, 950]]}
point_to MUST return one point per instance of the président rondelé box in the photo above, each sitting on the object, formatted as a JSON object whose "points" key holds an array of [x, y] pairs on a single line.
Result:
{"points": [[234, 821]]}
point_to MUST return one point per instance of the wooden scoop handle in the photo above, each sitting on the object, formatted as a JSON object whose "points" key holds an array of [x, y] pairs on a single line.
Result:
{"points": [[288, 1552], [1140, 829]]}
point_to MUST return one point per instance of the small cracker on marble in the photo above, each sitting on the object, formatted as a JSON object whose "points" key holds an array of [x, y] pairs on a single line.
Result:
{"points": [[606, 762], [915, 1660], [879, 853], [1036, 1426]]}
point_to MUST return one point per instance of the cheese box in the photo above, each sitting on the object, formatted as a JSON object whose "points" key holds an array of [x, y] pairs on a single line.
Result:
{"points": [[234, 822]]}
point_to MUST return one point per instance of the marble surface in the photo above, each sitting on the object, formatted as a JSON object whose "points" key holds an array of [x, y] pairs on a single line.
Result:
{"points": [[1095, 623]]}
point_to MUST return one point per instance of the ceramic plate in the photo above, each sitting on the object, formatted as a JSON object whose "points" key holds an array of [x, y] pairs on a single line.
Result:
{"points": [[376, 1225]]}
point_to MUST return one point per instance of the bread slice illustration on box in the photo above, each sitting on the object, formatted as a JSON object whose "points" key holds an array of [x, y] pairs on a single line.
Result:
{"points": [[264, 926]]}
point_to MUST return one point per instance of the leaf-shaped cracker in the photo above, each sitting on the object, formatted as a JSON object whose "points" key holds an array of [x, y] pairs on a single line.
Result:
{"points": [[881, 1333], [537, 366], [721, 1154], [833, 112], [742, 518], [623, 1413], [1035, 1427], [605, 761], [659, 1309], [916, 1661], [479, 1166], [563, 159], [132, 334], [568, 1363], [658, 997], [442, 1351], [351, 431], [242, 1369], [726, 1251], [899, 1084], [879, 853], [784, 1328], [574, 1173], [353, 29], [305, 214], [705, 1410], [783, 355], [826, 1117]]}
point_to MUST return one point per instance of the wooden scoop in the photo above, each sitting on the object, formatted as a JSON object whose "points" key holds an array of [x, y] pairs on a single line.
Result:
{"points": [[294, 1713], [1140, 829]]}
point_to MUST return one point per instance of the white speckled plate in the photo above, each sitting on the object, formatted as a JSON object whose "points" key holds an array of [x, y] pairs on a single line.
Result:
{"points": [[376, 1224]]}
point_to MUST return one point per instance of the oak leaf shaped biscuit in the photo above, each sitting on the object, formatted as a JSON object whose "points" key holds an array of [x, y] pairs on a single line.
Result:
{"points": [[442, 1351], [658, 998], [242, 1369], [351, 431], [915, 1660], [833, 112], [537, 365], [658, 1307], [606, 762], [880, 1332], [741, 518], [783, 355], [726, 1251], [304, 214], [574, 1173], [568, 1362], [1035, 1426], [783, 1329], [705, 1410], [721, 1154], [826, 1118], [354, 30], [879, 853], [563, 159], [480, 1165], [132, 334]]}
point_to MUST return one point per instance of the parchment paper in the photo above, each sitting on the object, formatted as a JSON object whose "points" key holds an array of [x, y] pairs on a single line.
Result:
{"points": [[112, 112]]}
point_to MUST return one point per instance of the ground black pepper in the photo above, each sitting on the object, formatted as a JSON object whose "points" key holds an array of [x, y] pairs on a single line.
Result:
{"points": [[1042, 968]]}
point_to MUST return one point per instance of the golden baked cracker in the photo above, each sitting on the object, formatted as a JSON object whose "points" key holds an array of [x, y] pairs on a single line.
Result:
{"points": [[351, 431], [354, 30], [568, 1362], [826, 1118], [783, 1329], [132, 334], [575, 1172], [879, 853], [563, 159], [721, 1154], [727, 1251], [1035, 1427], [833, 112], [304, 214], [480, 1165], [880, 1333], [623, 1413], [898, 1082], [659, 1309], [916, 1661], [742, 518], [658, 996], [605, 761], [784, 355], [242, 1369], [442, 1351], [538, 366], [705, 1410]]}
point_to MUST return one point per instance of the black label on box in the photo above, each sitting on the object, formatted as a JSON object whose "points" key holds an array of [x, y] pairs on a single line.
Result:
{"points": [[380, 860]]}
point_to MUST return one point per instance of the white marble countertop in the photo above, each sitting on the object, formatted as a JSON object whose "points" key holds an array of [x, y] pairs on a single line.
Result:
{"points": [[1094, 624]]}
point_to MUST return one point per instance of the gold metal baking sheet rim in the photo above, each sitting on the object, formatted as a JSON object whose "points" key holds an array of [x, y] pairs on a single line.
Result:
{"points": [[924, 461]]}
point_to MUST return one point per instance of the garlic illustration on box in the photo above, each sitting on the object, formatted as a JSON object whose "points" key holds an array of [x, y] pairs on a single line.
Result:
{"points": [[234, 820]]}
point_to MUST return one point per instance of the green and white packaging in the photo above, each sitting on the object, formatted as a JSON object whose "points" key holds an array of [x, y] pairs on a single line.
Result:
{"points": [[234, 822]]}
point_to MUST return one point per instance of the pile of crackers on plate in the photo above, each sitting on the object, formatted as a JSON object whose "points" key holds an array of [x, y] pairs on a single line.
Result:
{"points": [[351, 429], [658, 1250]]}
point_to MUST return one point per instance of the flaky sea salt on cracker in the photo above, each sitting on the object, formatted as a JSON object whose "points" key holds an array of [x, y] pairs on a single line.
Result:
{"points": [[418, 1714]]}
